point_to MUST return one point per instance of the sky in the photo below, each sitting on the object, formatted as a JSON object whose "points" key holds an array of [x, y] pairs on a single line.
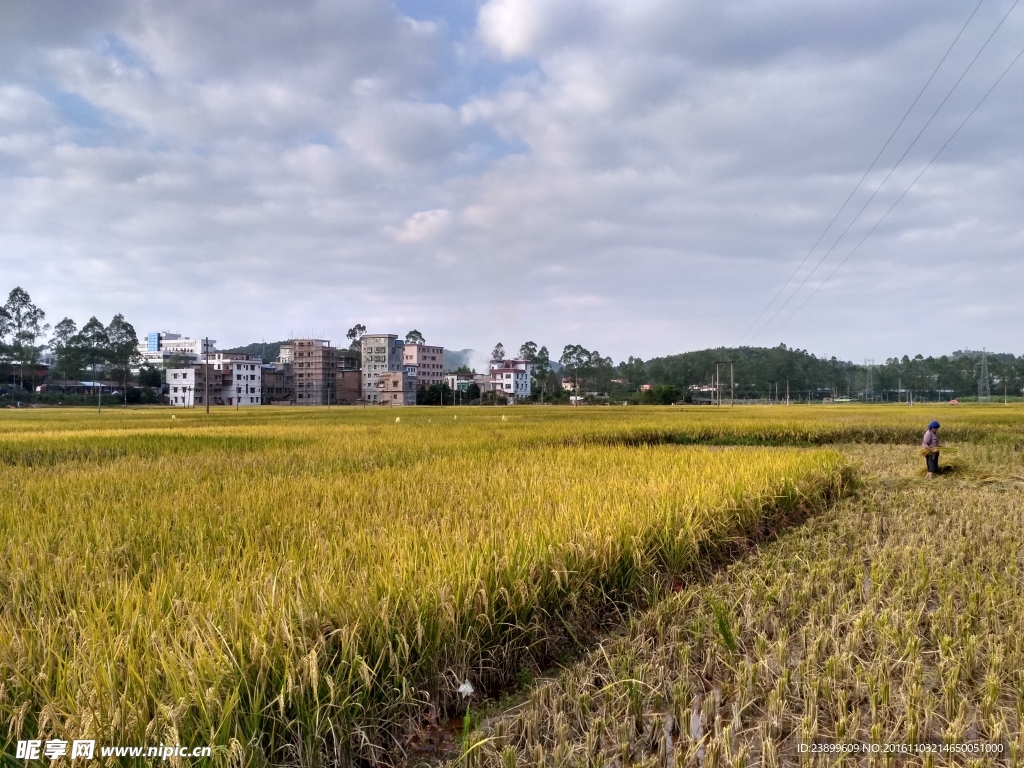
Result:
{"points": [[640, 178]]}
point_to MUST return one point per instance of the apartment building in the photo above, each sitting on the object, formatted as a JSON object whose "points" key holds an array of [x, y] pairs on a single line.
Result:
{"points": [[278, 384], [428, 361], [314, 366], [227, 378], [396, 388], [512, 377], [348, 386], [459, 381], [382, 353], [161, 346], [312, 372], [181, 387]]}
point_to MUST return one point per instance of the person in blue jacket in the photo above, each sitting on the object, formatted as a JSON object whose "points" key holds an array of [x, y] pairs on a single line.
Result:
{"points": [[931, 443]]}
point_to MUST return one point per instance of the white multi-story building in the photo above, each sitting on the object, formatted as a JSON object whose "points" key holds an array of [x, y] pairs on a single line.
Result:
{"points": [[458, 381], [511, 377], [161, 346], [227, 378], [428, 361], [181, 387], [382, 353]]}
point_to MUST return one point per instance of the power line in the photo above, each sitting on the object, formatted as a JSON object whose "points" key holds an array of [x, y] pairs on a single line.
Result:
{"points": [[869, 169], [919, 175], [891, 171]]}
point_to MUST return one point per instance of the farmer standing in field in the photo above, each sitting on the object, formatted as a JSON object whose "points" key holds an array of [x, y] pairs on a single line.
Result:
{"points": [[931, 444]]}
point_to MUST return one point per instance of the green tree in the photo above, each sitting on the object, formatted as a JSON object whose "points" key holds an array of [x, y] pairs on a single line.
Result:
{"points": [[354, 336], [663, 394], [63, 345], [572, 360], [122, 350], [498, 353], [5, 347], [414, 337], [25, 325], [151, 376], [600, 371], [95, 346], [542, 373], [435, 394], [579, 364], [634, 371], [178, 361], [540, 367], [355, 333]]}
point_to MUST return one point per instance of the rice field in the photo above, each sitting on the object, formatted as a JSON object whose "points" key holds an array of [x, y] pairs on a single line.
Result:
{"points": [[304, 587], [887, 632]]}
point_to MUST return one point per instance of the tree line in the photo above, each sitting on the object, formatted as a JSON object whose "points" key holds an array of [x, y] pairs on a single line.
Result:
{"points": [[768, 373], [109, 350], [762, 372]]}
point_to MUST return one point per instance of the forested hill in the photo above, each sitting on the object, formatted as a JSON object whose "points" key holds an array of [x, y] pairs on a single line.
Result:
{"points": [[267, 350], [758, 370]]}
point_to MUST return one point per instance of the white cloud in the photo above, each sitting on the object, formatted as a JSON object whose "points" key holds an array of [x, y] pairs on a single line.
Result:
{"points": [[393, 135], [423, 225], [578, 169], [20, 108], [521, 28]]}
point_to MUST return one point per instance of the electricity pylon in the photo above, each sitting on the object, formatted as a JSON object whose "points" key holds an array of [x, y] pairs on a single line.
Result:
{"points": [[984, 387]]}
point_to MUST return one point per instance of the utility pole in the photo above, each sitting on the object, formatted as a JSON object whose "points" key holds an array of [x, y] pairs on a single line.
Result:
{"points": [[206, 373], [869, 384], [718, 383]]}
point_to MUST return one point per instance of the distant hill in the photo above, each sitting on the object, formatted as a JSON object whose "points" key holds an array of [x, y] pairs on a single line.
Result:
{"points": [[975, 354], [759, 371], [456, 358], [267, 350]]}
